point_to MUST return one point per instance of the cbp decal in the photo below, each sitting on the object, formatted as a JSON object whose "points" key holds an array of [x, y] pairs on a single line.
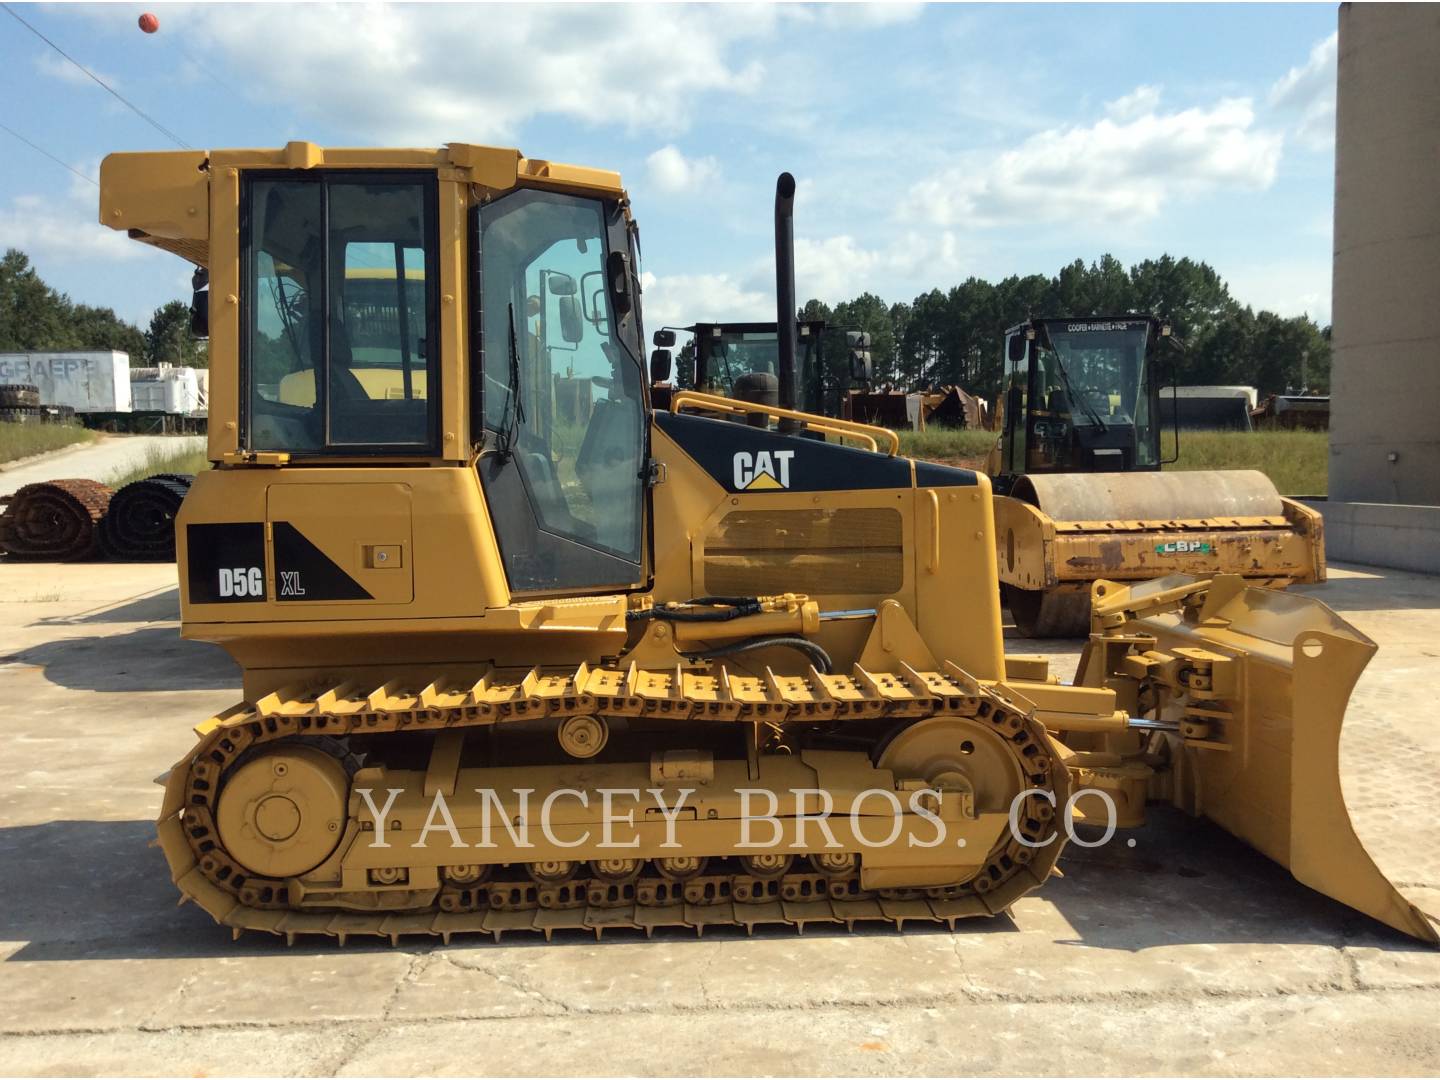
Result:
{"points": [[1183, 547], [763, 470]]}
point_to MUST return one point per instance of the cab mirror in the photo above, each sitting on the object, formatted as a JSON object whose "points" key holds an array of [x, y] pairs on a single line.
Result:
{"points": [[200, 314], [660, 364], [1015, 348], [561, 284], [665, 339], [617, 281], [200, 303], [570, 328], [861, 366]]}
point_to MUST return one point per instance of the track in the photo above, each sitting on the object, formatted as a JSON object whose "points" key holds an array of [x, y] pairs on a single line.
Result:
{"points": [[596, 896], [139, 526], [58, 520]]}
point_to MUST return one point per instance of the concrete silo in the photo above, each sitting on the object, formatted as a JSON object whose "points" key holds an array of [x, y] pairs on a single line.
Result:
{"points": [[1384, 505]]}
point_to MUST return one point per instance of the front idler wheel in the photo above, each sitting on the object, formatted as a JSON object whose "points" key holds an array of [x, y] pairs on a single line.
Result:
{"points": [[282, 813]]}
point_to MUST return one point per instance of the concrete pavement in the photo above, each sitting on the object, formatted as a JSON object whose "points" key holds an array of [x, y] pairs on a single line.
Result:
{"points": [[103, 459], [1186, 953]]}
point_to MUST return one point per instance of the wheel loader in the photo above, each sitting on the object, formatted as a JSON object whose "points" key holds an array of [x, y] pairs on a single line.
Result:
{"points": [[1080, 494], [521, 654], [742, 360]]}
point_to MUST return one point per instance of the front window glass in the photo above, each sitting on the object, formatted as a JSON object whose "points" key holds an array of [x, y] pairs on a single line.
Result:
{"points": [[1095, 376], [735, 353], [562, 392], [340, 298]]}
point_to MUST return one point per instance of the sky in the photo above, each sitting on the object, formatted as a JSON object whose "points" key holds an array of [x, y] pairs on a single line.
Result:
{"points": [[930, 143]]}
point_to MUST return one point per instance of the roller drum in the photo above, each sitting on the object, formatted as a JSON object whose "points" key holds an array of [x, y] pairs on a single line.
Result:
{"points": [[1152, 496]]}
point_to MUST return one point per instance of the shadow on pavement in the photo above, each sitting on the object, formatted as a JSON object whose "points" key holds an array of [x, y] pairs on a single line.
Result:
{"points": [[163, 606], [1374, 588], [96, 890], [1187, 881], [144, 659]]}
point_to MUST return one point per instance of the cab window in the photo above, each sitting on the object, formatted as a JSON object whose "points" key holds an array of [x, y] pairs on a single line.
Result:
{"points": [[340, 301]]}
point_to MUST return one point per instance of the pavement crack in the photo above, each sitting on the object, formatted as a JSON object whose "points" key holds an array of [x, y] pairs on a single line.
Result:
{"points": [[509, 979], [362, 1036], [178, 1003], [700, 976]]}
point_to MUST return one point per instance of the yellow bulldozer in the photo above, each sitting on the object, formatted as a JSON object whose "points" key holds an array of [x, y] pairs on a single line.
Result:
{"points": [[1080, 495], [517, 657]]}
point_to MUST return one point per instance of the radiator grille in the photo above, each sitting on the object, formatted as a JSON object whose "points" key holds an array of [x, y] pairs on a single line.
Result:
{"points": [[854, 551]]}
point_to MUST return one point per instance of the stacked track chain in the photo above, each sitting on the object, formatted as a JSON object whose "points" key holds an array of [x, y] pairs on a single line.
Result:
{"points": [[607, 897], [58, 520], [140, 523]]}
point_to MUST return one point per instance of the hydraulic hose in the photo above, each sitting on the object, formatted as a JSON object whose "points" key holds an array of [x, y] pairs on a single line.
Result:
{"points": [[818, 656], [701, 609]]}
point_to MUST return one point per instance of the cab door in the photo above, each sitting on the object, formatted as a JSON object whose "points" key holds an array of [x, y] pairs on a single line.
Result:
{"points": [[566, 430]]}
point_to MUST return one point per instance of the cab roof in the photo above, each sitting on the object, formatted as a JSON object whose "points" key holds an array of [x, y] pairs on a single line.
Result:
{"points": [[163, 197]]}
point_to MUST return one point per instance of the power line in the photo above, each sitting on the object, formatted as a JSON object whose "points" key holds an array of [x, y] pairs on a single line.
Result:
{"points": [[52, 157], [101, 82]]}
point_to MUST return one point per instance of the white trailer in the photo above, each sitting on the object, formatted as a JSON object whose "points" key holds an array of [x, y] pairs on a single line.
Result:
{"points": [[202, 382], [165, 389], [87, 381]]}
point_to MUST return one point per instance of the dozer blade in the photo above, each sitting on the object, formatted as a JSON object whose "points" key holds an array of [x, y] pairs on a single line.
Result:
{"points": [[1265, 678]]}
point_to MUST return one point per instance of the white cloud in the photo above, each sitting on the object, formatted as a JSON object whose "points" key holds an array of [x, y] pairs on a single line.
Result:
{"points": [[671, 171], [1307, 92], [832, 269], [56, 66], [839, 268], [682, 299], [869, 16], [63, 232], [421, 75], [1289, 287], [1141, 101], [1113, 170]]}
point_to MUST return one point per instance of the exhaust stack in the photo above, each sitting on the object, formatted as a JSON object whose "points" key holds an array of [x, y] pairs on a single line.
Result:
{"points": [[785, 286]]}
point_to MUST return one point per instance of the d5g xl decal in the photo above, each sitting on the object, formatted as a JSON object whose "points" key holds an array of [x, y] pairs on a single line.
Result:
{"points": [[304, 572], [226, 562]]}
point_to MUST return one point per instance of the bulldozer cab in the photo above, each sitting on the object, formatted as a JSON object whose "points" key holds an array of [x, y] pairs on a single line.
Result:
{"points": [[1082, 395], [742, 361], [340, 352]]}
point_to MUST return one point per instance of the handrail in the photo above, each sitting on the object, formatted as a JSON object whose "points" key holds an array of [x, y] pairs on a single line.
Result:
{"points": [[846, 429]]}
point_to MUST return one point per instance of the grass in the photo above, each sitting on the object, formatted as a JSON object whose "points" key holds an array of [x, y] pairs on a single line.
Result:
{"points": [[160, 459], [24, 440], [948, 446], [1295, 461]]}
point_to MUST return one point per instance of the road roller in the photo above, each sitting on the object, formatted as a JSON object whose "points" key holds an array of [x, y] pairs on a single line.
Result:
{"points": [[1080, 494], [522, 654]]}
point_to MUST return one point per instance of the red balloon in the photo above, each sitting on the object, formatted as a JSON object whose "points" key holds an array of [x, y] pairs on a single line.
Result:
{"points": [[149, 23]]}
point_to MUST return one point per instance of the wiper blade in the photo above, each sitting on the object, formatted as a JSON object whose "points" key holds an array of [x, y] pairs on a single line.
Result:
{"points": [[514, 413], [1070, 389]]}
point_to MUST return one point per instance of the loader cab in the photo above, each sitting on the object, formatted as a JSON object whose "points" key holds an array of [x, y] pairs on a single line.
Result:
{"points": [[1081, 395], [742, 361]]}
